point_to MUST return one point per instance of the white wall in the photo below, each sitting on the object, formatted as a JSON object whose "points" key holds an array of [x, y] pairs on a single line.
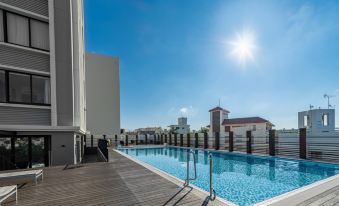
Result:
{"points": [[241, 129], [102, 94]]}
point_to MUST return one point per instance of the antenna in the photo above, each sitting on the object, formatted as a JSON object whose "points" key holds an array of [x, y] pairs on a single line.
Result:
{"points": [[311, 106], [219, 102], [328, 99]]}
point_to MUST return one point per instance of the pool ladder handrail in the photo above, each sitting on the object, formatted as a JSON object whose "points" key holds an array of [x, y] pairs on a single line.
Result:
{"points": [[188, 179], [212, 191]]}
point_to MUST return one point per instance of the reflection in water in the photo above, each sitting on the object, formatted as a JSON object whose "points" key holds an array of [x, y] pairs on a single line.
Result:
{"points": [[272, 169]]}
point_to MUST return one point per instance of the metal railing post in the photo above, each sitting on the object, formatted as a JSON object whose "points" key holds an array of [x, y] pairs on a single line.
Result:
{"points": [[187, 181], [212, 191]]}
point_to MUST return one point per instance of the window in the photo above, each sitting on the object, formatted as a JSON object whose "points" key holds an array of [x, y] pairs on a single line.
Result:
{"points": [[40, 90], [17, 29], [325, 119], [2, 86], [24, 31], [305, 120], [24, 88], [1, 26], [39, 34], [19, 88], [254, 127]]}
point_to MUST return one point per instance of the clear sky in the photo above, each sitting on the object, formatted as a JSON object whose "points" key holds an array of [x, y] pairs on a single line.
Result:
{"points": [[178, 56]]}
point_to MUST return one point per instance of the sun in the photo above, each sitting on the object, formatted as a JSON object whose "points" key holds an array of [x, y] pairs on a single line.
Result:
{"points": [[242, 47]]}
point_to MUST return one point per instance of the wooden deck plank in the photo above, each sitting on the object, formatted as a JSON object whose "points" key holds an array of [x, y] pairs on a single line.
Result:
{"points": [[120, 182]]}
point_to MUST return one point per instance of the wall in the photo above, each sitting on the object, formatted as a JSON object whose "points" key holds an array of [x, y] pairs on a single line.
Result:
{"points": [[62, 146], [102, 94], [63, 62], [315, 122], [243, 128]]}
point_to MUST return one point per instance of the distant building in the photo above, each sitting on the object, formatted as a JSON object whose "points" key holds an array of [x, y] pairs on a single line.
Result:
{"points": [[217, 116], [317, 121], [181, 128], [240, 126], [149, 130], [219, 122]]}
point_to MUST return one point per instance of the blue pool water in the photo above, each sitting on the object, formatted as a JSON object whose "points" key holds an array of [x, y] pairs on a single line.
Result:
{"points": [[239, 178]]}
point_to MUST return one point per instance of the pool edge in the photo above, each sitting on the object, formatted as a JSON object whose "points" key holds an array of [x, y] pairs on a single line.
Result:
{"points": [[196, 190], [302, 194]]}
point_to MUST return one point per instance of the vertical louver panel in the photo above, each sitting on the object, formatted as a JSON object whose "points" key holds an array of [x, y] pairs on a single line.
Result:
{"points": [[24, 116], [35, 6], [24, 59]]}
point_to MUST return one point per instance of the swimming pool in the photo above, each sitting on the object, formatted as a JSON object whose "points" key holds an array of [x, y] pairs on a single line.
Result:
{"points": [[239, 178]]}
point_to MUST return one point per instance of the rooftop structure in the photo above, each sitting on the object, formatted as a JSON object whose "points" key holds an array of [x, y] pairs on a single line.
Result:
{"points": [[317, 121], [181, 128]]}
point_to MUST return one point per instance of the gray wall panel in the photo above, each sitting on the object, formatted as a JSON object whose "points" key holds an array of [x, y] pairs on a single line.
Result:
{"points": [[24, 116], [103, 94], [63, 57], [24, 59], [35, 6]]}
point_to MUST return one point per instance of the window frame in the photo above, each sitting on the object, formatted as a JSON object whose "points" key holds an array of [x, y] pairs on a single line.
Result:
{"points": [[5, 81], [4, 13], [7, 99]]}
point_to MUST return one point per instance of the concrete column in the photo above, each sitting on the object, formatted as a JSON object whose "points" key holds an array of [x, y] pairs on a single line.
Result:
{"points": [[196, 136], [302, 143], [136, 139], [175, 140], [249, 142], [217, 140], [188, 140], [205, 140], [271, 142], [230, 140]]}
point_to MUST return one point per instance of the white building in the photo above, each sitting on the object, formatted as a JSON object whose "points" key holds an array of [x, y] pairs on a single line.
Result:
{"points": [[239, 126], [149, 130], [181, 128], [219, 122], [317, 121], [102, 95]]}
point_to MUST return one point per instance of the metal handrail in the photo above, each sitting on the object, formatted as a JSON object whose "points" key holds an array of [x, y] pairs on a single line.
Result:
{"points": [[212, 191], [188, 179]]}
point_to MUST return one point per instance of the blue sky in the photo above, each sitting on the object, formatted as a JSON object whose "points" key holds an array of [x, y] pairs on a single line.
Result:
{"points": [[175, 57]]}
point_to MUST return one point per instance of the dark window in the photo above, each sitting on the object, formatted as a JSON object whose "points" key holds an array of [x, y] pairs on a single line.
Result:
{"points": [[39, 34], [24, 88], [1, 26], [2, 86], [19, 88], [21, 30], [40, 90], [17, 29]]}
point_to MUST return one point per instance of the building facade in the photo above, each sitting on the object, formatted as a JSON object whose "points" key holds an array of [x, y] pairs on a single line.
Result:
{"points": [[103, 96], [221, 123], [42, 83], [181, 128], [217, 116], [239, 126], [317, 121]]}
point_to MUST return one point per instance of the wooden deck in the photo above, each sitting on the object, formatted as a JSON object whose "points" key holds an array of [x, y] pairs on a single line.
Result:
{"points": [[328, 198], [119, 182]]}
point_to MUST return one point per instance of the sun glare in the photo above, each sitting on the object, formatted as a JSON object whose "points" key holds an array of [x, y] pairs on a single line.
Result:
{"points": [[242, 47]]}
